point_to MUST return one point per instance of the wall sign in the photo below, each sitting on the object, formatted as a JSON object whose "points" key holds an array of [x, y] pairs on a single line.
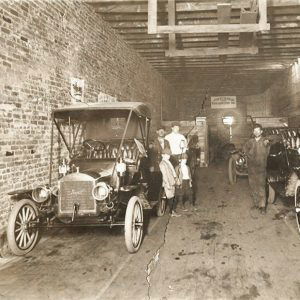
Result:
{"points": [[77, 88], [223, 102]]}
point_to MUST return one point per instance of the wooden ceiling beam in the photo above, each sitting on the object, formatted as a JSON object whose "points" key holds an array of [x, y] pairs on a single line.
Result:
{"points": [[163, 7], [141, 6], [146, 39], [222, 28], [224, 15], [213, 60], [275, 15], [171, 22], [211, 51]]}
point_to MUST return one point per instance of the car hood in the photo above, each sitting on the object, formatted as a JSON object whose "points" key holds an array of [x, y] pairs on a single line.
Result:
{"points": [[91, 167]]}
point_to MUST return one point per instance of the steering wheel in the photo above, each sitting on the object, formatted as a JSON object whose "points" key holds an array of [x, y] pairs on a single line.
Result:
{"points": [[91, 144]]}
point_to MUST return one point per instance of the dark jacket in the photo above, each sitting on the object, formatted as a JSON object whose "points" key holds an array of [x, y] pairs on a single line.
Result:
{"points": [[155, 153], [257, 153]]}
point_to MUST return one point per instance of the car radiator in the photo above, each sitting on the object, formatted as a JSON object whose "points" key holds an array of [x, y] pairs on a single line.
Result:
{"points": [[76, 192]]}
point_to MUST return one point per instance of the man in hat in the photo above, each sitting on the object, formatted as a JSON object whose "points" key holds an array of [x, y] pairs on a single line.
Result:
{"points": [[178, 143], [155, 156]]}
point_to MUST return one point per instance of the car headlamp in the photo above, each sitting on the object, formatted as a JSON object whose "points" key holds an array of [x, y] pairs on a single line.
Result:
{"points": [[40, 194], [100, 191], [121, 167], [240, 161]]}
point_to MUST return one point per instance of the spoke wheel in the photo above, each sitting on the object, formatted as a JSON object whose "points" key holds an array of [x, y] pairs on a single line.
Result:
{"points": [[133, 225], [272, 195], [162, 203], [297, 205], [231, 171], [22, 236]]}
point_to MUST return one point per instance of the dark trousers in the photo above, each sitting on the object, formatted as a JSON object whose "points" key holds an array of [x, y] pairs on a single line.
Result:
{"points": [[257, 182], [184, 193], [172, 203], [155, 185]]}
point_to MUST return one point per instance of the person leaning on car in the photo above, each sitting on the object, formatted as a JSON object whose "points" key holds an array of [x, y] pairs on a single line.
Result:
{"points": [[257, 151], [155, 156]]}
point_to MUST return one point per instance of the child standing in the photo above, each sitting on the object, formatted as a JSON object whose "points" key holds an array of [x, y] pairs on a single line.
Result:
{"points": [[183, 187], [168, 176]]}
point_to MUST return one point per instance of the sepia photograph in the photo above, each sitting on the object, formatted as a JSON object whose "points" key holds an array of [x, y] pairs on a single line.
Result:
{"points": [[149, 150]]}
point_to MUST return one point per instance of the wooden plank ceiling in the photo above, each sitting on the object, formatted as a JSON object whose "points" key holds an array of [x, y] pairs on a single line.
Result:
{"points": [[245, 73]]}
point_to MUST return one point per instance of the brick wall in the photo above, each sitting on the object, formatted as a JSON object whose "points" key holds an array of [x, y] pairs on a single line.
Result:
{"points": [[42, 45]]}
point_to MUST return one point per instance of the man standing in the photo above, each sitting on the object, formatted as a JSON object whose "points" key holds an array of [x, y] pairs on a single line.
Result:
{"points": [[155, 156], [178, 143], [257, 150]]}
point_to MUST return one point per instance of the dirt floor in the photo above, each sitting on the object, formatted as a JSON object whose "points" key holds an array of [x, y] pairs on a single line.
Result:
{"points": [[223, 250]]}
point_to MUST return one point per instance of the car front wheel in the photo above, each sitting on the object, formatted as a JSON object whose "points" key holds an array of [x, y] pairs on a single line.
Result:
{"points": [[231, 171], [297, 204], [272, 194], [22, 235], [133, 225]]}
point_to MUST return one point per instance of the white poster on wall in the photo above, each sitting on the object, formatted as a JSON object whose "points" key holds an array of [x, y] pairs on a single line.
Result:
{"points": [[223, 101], [77, 89]]}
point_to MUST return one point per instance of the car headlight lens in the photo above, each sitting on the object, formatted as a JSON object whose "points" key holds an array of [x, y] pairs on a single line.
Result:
{"points": [[40, 194], [100, 191], [240, 161]]}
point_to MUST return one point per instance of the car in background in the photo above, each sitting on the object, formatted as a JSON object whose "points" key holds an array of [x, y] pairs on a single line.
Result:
{"points": [[98, 176], [283, 166]]}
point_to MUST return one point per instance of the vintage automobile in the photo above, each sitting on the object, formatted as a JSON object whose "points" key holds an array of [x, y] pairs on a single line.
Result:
{"points": [[102, 177], [283, 166], [283, 170], [237, 165], [237, 162]]}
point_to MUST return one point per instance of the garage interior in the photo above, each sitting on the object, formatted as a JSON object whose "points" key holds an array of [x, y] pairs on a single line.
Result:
{"points": [[175, 56]]}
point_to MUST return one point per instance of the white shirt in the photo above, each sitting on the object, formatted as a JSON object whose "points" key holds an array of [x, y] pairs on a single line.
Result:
{"points": [[185, 171], [178, 143]]}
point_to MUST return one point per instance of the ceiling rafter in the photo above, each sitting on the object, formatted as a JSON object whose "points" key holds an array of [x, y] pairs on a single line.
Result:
{"points": [[277, 48]]}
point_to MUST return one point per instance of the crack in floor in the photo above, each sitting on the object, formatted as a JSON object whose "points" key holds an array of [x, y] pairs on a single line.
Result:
{"points": [[155, 258]]}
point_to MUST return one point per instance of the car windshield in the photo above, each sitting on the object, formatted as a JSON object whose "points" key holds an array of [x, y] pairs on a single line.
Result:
{"points": [[102, 129]]}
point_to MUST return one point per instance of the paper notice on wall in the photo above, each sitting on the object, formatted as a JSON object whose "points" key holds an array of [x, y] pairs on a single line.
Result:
{"points": [[223, 102], [77, 89]]}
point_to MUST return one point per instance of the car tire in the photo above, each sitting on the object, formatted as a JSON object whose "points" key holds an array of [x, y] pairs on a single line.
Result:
{"points": [[133, 225], [162, 203], [297, 204], [231, 171], [20, 238], [272, 194]]}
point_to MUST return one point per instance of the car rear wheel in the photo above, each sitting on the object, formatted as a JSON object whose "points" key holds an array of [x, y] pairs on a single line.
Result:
{"points": [[22, 235], [162, 203], [133, 225], [297, 204], [231, 171], [272, 195]]}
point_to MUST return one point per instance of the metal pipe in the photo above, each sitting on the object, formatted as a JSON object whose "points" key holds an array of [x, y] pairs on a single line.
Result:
{"points": [[51, 155]]}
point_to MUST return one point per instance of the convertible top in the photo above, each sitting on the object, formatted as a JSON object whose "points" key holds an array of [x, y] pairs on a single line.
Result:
{"points": [[83, 110]]}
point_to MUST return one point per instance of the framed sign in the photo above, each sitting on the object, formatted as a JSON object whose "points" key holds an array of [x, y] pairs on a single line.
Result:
{"points": [[223, 102], [77, 88]]}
